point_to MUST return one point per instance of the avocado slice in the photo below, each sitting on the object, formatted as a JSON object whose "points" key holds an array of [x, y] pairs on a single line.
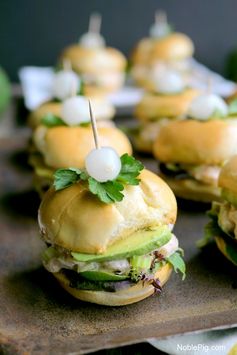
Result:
{"points": [[99, 275], [138, 243]]}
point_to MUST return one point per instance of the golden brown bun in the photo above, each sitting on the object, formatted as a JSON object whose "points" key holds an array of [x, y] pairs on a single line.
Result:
{"points": [[92, 60], [155, 106], [64, 146], [190, 189], [228, 175], [221, 244], [120, 298], [102, 109], [36, 116], [195, 142], [176, 46], [141, 53], [77, 220]]}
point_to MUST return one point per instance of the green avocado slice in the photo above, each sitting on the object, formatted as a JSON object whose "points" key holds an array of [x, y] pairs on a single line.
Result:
{"points": [[138, 243], [99, 275]]}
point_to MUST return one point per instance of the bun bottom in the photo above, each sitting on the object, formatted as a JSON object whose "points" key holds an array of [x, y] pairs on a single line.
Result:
{"points": [[190, 189], [221, 244], [120, 298]]}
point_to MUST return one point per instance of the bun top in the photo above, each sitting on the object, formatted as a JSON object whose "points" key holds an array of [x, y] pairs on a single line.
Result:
{"points": [[154, 106], [102, 108], [176, 46], [64, 146], [197, 142], [35, 116], [228, 175], [77, 220], [92, 60]]}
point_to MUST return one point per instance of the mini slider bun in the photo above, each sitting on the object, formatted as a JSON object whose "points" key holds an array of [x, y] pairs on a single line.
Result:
{"points": [[102, 69], [228, 184], [195, 143], [228, 178], [175, 46], [155, 106], [130, 295], [147, 205], [103, 109], [68, 146]]}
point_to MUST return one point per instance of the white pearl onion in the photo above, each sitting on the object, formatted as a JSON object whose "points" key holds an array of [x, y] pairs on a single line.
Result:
{"points": [[204, 106], [92, 40], [75, 110], [167, 81], [65, 81], [103, 164]]}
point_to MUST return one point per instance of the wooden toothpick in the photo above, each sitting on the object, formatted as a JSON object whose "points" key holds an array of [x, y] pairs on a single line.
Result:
{"points": [[160, 17], [94, 127], [94, 23]]}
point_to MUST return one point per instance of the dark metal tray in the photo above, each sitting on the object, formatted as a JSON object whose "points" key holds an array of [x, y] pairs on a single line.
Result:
{"points": [[38, 317]]}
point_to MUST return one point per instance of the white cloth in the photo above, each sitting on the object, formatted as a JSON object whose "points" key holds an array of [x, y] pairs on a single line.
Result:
{"points": [[215, 342]]}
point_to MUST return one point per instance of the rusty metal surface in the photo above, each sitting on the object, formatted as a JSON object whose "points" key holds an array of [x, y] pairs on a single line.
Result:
{"points": [[38, 317]]}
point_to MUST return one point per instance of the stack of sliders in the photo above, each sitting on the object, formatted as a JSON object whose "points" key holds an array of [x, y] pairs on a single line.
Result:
{"points": [[192, 152], [101, 68], [65, 140], [67, 83], [222, 227], [172, 48], [169, 100], [129, 250]]}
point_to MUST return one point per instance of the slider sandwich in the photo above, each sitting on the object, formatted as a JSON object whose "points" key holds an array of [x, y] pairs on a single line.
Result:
{"points": [[169, 100], [101, 68], [108, 230], [66, 83], [162, 46], [66, 139], [192, 152], [223, 225]]}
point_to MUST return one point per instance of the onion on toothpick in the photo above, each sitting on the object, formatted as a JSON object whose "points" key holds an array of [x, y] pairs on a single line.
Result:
{"points": [[75, 110], [63, 81], [160, 28], [93, 38], [102, 163], [166, 80], [207, 105]]}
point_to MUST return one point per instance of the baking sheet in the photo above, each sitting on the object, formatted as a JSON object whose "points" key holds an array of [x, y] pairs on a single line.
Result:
{"points": [[38, 317]]}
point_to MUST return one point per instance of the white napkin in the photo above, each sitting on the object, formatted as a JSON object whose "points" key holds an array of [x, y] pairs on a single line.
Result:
{"points": [[216, 342]]}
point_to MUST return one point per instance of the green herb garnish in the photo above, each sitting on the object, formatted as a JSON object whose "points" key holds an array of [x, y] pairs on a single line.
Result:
{"points": [[233, 108], [177, 262], [109, 191], [51, 120]]}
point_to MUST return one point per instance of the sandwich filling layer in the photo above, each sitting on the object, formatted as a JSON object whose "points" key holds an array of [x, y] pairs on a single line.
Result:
{"points": [[124, 263]]}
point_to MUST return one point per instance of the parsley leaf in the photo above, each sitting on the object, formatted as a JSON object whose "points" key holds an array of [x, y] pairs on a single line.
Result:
{"points": [[66, 177], [178, 264], [233, 108], [130, 169], [108, 192], [51, 120]]}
